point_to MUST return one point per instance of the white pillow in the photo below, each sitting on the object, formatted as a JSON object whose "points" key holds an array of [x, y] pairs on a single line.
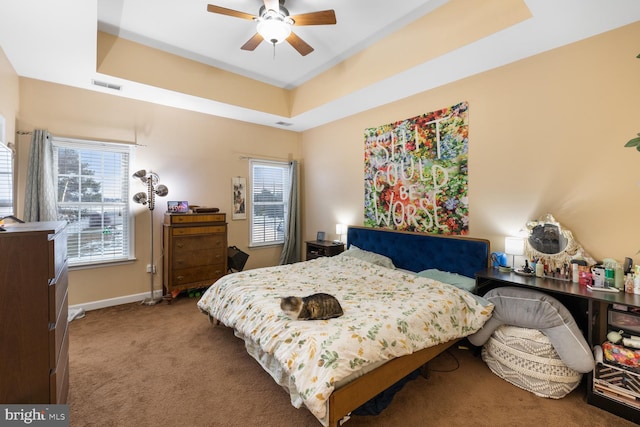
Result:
{"points": [[368, 256]]}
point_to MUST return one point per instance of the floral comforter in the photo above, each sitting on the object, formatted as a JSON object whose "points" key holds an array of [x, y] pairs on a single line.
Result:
{"points": [[387, 314]]}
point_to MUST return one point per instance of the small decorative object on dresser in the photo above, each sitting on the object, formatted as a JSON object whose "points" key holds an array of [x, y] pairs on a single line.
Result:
{"points": [[195, 251], [34, 338], [317, 249]]}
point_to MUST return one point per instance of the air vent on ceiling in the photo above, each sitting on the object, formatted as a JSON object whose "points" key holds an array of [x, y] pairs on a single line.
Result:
{"points": [[284, 124], [107, 85]]}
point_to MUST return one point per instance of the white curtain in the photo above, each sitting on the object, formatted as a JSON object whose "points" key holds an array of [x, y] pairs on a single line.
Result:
{"points": [[292, 244], [40, 195]]}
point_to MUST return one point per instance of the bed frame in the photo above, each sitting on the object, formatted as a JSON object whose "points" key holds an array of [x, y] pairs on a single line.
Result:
{"points": [[462, 255]]}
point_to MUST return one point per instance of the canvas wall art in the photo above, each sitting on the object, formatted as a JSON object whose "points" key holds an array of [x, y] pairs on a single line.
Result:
{"points": [[416, 176]]}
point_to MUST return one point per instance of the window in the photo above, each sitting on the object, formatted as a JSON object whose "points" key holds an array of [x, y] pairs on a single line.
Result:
{"points": [[269, 198], [6, 174], [93, 197]]}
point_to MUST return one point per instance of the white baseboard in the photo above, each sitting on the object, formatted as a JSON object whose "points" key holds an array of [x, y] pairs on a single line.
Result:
{"points": [[95, 305]]}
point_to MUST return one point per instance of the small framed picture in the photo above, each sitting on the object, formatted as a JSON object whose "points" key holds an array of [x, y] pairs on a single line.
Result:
{"points": [[320, 237], [178, 206], [239, 190]]}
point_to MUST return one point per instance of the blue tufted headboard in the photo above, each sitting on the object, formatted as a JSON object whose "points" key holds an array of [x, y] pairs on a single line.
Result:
{"points": [[418, 251]]}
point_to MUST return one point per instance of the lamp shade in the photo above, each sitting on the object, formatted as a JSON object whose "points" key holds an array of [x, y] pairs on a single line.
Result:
{"points": [[162, 190], [274, 30], [139, 174], [514, 245], [140, 198]]}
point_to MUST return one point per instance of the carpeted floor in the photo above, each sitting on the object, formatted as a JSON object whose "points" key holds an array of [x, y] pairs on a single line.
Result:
{"points": [[165, 365]]}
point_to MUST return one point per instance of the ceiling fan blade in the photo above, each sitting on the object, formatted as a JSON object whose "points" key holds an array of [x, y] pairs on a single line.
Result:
{"points": [[230, 12], [323, 17], [272, 5], [253, 42], [298, 44]]}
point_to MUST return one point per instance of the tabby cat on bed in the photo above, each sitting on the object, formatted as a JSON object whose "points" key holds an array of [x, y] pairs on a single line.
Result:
{"points": [[313, 307]]}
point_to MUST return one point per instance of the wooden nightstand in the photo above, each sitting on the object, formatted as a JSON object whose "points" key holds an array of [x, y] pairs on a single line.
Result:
{"points": [[320, 248]]}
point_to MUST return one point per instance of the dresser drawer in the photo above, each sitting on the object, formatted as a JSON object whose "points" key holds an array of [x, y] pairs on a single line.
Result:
{"points": [[196, 258], [208, 273], [57, 294], [203, 242], [59, 377], [194, 218], [186, 231], [58, 247], [57, 332]]}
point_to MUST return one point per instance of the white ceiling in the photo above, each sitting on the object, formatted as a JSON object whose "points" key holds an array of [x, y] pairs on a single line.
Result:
{"points": [[56, 41], [185, 28]]}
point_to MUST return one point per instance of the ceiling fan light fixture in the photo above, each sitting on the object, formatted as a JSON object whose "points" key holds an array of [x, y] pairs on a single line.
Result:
{"points": [[274, 27]]}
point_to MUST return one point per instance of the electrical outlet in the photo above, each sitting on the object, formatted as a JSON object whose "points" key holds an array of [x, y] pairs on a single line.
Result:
{"points": [[149, 268]]}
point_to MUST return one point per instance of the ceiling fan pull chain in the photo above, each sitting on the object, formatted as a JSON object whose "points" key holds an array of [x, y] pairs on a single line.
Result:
{"points": [[274, 51]]}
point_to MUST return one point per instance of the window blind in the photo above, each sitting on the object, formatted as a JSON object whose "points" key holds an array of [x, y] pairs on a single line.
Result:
{"points": [[269, 193], [6, 181], [93, 197]]}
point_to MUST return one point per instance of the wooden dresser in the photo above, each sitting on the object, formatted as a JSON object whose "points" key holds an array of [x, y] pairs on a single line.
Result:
{"points": [[34, 340], [195, 250]]}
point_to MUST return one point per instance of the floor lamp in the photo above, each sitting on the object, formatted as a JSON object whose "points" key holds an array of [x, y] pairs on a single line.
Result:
{"points": [[149, 199]]}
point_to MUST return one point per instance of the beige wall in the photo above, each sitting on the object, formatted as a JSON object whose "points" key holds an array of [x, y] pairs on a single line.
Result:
{"points": [[546, 135], [9, 96], [195, 155]]}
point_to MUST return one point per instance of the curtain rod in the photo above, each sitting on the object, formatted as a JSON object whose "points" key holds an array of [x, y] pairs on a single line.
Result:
{"points": [[279, 159], [99, 141]]}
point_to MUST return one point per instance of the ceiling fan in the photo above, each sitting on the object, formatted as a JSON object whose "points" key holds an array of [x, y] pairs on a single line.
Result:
{"points": [[274, 24]]}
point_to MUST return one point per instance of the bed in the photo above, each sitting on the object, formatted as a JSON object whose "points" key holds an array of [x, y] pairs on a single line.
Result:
{"points": [[395, 320]]}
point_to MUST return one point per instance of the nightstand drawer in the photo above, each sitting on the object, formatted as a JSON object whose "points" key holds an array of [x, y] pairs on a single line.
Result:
{"points": [[316, 249]]}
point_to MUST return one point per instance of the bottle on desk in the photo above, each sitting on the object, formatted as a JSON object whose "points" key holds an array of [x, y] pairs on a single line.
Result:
{"points": [[540, 269], [628, 283], [575, 275]]}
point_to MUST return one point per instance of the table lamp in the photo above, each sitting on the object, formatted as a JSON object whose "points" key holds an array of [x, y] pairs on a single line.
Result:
{"points": [[514, 246]]}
